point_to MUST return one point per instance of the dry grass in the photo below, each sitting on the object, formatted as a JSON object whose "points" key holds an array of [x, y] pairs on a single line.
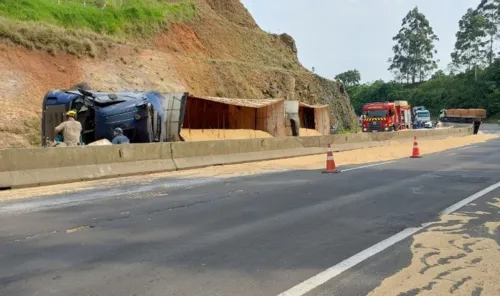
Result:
{"points": [[30, 129], [53, 40]]}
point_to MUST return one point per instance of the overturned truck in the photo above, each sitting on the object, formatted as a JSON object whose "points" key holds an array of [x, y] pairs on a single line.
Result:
{"points": [[145, 117]]}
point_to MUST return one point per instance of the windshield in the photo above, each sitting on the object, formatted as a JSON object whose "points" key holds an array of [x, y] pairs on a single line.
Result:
{"points": [[423, 114], [375, 113]]}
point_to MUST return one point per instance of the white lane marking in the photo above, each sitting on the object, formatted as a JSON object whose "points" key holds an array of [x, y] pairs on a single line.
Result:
{"points": [[467, 147], [333, 271], [367, 166], [322, 277], [451, 154], [469, 199]]}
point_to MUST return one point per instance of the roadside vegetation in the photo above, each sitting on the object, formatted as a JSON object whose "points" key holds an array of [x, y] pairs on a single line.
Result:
{"points": [[53, 39], [468, 89], [472, 80], [86, 27]]}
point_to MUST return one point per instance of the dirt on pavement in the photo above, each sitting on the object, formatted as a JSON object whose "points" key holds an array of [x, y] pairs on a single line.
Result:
{"points": [[452, 257], [395, 151]]}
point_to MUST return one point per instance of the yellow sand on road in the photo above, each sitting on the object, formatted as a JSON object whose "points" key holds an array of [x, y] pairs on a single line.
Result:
{"points": [[394, 151], [448, 261]]}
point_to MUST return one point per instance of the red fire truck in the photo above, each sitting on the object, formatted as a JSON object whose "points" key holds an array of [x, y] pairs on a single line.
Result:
{"points": [[386, 116]]}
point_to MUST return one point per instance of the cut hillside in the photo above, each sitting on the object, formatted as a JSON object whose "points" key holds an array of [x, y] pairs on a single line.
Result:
{"points": [[207, 47]]}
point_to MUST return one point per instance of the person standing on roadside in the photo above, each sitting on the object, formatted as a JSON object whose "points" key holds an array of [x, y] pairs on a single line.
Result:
{"points": [[119, 137], [71, 129], [476, 125]]}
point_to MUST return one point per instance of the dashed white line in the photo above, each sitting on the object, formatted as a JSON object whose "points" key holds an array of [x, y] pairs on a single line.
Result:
{"points": [[467, 147], [451, 154], [367, 166], [321, 278]]}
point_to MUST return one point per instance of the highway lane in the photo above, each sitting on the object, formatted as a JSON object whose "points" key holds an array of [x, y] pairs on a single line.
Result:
{"points": [[458, 254], [257, 235]]}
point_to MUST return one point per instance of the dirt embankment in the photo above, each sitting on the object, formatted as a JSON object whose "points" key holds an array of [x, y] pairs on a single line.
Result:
{"points": [[221, 53]]}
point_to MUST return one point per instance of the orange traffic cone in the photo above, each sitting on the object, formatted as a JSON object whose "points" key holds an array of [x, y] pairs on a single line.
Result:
{"points": [[416, 151], [330, 162]]}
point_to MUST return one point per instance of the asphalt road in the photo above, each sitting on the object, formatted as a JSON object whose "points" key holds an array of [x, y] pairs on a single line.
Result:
{"points": [[257, 235]]}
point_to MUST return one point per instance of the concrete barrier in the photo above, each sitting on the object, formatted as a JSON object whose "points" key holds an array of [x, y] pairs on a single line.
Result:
{"points": [[201, 154], [43, 166]]}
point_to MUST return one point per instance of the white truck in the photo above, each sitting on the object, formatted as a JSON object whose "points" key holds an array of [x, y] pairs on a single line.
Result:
{"points": [[420, 114]]}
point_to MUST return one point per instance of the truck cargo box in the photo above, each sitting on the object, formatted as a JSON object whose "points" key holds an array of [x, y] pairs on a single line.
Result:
{"points": [[468, 113]]}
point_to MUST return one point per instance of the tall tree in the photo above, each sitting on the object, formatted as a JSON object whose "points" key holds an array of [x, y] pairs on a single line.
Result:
{"points": [[349, 78], [470, 49], [491, 10], [414, 50]]}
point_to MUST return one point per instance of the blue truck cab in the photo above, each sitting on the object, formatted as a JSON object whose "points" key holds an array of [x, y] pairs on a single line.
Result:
{"points": [[143, 116]]}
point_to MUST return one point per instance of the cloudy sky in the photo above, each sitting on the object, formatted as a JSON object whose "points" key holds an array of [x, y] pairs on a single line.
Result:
{"points": [[337, 35]]}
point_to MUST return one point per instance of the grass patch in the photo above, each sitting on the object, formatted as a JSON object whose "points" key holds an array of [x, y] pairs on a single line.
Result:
{"points": [[53, 39], [89, 30], [139, 18]]}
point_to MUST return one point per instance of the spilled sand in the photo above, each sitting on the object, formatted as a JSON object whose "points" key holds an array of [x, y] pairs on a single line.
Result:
{"points": [[448, 261], [395, 150], [307, 132], [191, 135]]}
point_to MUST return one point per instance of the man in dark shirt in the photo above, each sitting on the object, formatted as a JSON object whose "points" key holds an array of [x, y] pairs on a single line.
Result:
{"points": [[119, 137]]}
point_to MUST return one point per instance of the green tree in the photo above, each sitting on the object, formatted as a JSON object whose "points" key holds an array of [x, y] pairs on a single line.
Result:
{"points": [[414, 50], [470, 45], [349, 78], [491, 10], [438, 74]]}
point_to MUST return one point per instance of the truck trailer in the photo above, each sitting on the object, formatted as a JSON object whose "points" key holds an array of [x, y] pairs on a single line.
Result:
{"points": [[462, 115], [386, 116]]}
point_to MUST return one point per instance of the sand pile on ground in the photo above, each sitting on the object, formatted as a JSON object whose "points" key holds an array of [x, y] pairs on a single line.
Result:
{"points": [[306, 132], [192, 135], [102, 142]]}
